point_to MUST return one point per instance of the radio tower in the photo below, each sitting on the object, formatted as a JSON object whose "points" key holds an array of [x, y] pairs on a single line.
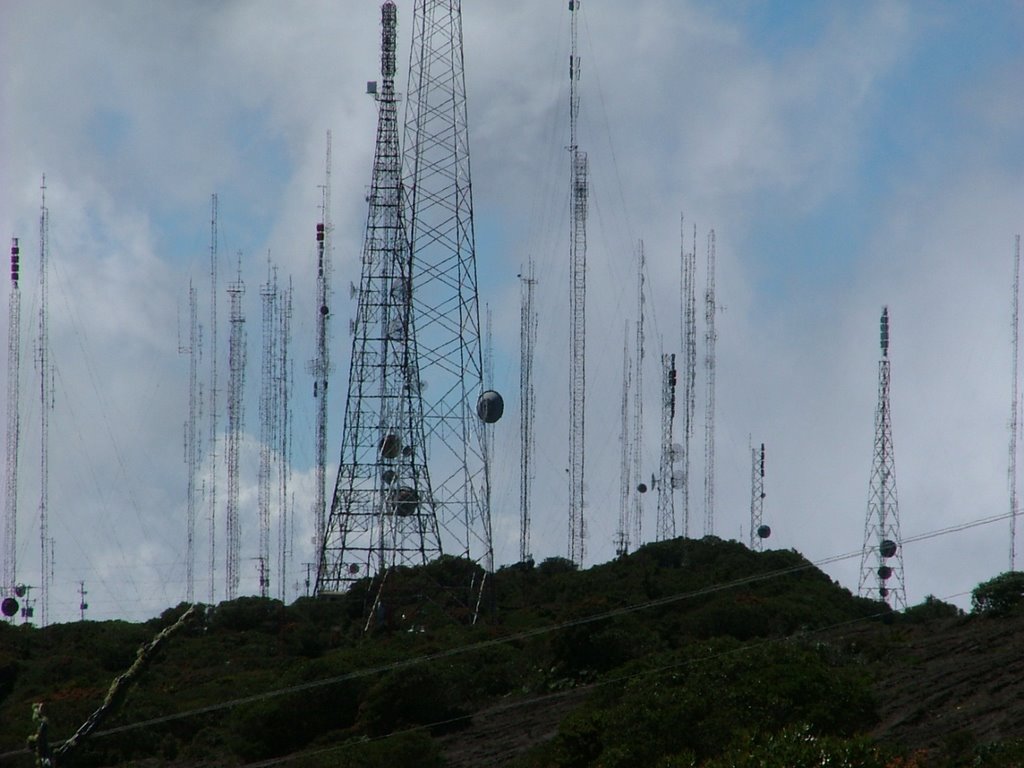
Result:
{"points": [[46, 405], [527, 405], [689, 334], [383, 510], [439, 212], [882, 525], [10, 552], [268, 412], [1014, 406], [236, 385], [284, 438], [758, 530], [636, 526], [666, 524], [577, 307], [320, 366], [710, 337], [192, 449], [212, 399], [625, 466]]}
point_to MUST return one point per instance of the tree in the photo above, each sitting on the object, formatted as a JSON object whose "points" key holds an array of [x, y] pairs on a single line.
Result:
{"points": [[999, 596]]}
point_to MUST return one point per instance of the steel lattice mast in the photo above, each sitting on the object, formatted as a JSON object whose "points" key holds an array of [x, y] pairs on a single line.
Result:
{"points": [[320, 366], [577, 308], [689, 334], [236, 386], [286, 376], [758, 530], [212, 400], [710, 338], [192, 448], [1014, 406], [626, 454], [666, 519], [10, 549], [383, 510], [636, 446], [527, 404], [45, 406], [881, 565], [269, 420], [439, 213]]}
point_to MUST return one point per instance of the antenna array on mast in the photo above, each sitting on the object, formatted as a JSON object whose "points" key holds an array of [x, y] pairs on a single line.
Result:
{"points": [[236, 386], [758, 530], [710, 337], [882, 524], [577, 308], [527, 404], [45, 369], [9, 572], [668, 480]]}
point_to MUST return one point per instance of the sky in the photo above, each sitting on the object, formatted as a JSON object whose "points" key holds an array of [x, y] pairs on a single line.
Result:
{"points": [[847, 157]]}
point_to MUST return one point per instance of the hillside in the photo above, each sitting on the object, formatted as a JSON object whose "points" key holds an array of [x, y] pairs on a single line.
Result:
{"points": [[685, 653]]}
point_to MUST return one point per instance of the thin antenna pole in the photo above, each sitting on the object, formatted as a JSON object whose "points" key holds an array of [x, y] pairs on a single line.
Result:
{"points": [[10, 553], [527, 405], [577, 308], [710, 337], [1014, 405], [46, 405], [212, 546]]}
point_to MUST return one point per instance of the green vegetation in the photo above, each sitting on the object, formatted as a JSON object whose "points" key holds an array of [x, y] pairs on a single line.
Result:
{"points": [[688, 653]]}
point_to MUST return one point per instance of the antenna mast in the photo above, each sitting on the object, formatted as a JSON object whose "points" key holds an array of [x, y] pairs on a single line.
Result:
{"points": [[527, 404], [192, 448], [710, 337], [269, 421], [236, 385], [666, 524], [625, 484], [213, 398], [689, 333], [882, 525], [286, 377], [577, 307], [758, 530], [439, 217], [46, 405], [1014, 405], [320, 366], [10, 552], [636, 532], [383, 511]]}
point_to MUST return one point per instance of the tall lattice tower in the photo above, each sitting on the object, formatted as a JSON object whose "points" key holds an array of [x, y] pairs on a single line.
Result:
{"points": [[758, 530], [577, 306], [193, 450], [236, 412], [439, 213], [710, 338], [286, 377], [10, 523], [622, 540], [320, 366], [212, 396], [881, 564], [666, 519], [45, 369], [269, 415], [637, 442], [527, 403], [1014, 406], [688, 300], [383, 512]]}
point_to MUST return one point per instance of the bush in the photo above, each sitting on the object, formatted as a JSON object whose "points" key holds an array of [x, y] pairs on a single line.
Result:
{"points": [[999, 596]]}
